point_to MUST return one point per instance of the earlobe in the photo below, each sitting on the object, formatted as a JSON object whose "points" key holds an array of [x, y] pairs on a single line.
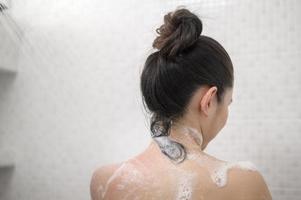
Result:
{"points": [[204, 105]]}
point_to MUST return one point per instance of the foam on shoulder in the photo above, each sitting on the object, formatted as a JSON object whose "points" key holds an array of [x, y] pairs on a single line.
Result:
{"points": [[220, 175]]}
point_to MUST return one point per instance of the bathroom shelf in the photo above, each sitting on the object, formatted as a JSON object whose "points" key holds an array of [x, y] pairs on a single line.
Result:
{"points": [[4, 70], [6, 160]]}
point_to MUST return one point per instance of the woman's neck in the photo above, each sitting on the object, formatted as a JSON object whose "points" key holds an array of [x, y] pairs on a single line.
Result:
{"points": [[192, 138]]}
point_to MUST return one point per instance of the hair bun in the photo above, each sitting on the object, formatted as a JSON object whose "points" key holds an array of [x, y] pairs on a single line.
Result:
{"points": [[180, 30]]}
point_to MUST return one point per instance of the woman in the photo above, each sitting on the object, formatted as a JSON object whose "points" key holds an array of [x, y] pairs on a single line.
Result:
{"points": [[187, 86]]}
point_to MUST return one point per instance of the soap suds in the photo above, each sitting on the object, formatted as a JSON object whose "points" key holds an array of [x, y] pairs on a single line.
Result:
{"points": [[185, 186], [218, 169], [220, 175], [170, 148], [194, 133], [127, 174], [102, 189]]}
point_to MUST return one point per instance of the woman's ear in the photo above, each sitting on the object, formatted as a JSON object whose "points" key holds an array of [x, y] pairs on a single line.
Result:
{"points": [[208, 99]]}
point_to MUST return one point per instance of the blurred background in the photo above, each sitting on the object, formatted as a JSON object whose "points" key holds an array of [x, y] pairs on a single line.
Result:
{"points": [[70, 99]]}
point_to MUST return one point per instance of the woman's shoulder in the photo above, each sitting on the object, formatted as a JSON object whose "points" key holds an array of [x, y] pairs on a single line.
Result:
{"points": [[113, 181], [245, 179], [249, 184], [100, 178]]}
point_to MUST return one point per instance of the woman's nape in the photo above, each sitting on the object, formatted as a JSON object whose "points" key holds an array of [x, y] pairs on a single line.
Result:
{"points": [[204, 116]]}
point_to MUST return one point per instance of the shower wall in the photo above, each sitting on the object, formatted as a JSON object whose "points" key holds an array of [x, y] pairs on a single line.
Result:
{"points": [[74, 103]]}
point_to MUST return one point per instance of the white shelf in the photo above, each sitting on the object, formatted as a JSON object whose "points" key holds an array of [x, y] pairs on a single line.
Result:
{"points": [[4, 70], [6, 159]]}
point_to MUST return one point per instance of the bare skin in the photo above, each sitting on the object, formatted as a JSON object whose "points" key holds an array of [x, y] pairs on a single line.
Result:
{"points": [[151, 175]]}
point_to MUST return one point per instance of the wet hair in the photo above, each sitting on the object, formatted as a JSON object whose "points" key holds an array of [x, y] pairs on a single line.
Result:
{"points": [[185, 61]]}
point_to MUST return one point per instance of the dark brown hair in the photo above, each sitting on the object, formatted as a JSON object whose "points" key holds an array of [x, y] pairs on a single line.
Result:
{"points": [[185, 60]]}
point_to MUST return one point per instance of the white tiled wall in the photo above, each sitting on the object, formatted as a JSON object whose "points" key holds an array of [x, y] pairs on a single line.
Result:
{"points": [[75, 103]]}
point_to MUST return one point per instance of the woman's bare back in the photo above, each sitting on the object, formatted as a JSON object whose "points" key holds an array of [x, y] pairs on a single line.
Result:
{"points": [[151, 175]]}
